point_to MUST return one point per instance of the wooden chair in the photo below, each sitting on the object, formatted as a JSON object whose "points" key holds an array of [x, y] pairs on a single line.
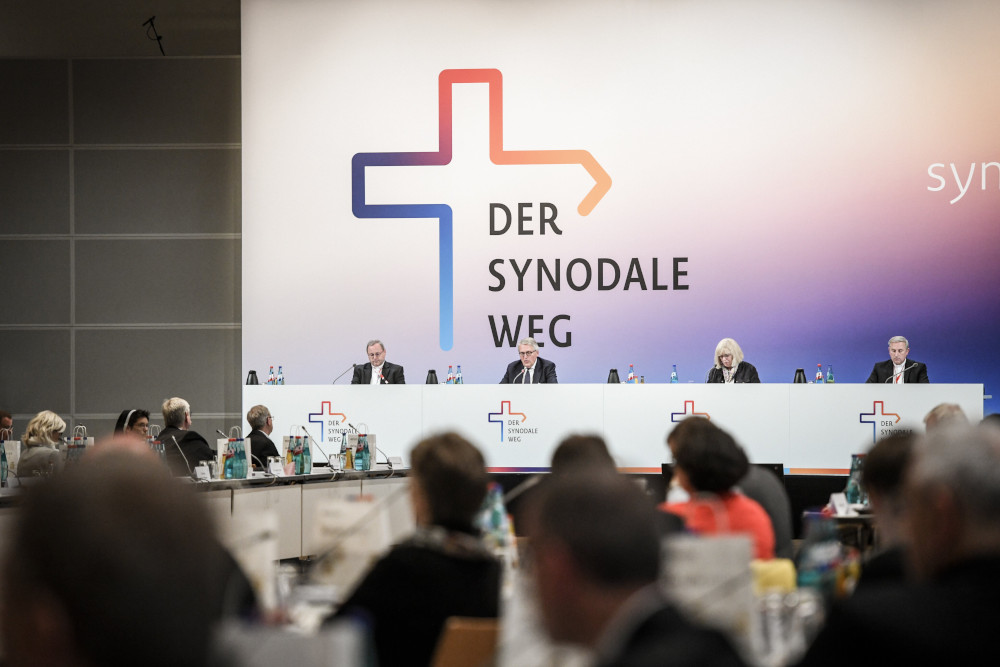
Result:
{"points": [[466, 642]]}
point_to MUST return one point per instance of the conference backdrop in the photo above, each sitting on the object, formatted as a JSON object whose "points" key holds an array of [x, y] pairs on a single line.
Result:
{"points": [[628, 182]]}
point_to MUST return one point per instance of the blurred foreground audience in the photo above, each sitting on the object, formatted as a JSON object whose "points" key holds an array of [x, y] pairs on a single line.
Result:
{"points": [[944, 415], [952, 496], [113, 562], [444, 570], [708, 464], [596, 557]]}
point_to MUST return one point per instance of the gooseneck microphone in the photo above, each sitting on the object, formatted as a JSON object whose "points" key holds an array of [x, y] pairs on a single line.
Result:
{"points": [[523, 371], [329, 463], [892, 378], [186, 463], [349, 368]]}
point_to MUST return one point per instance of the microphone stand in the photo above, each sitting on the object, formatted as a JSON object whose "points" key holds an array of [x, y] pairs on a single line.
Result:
{"points": [[351, 367]]}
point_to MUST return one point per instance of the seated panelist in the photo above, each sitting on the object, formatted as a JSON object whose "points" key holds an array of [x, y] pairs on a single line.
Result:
{"points": [[377, 370], [729, 365], [897, 370], [530, 369]]}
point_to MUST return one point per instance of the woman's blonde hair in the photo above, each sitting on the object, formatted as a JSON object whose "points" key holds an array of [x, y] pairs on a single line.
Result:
{"points": [[728, 346], [39, 429]]}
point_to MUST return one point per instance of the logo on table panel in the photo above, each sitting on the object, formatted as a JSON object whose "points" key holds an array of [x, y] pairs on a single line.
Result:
{"points": [[689, 411], [511, 424], [332, 424], [883, 423], [442, 212]]}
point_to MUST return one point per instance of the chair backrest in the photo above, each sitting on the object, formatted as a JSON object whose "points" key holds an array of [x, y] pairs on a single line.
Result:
{"points": [[466, 642]]}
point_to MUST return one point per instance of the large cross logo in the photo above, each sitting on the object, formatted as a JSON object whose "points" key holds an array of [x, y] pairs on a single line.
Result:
{"points": [[326, 414], [874, 417], [500, 416], [442, 212]]}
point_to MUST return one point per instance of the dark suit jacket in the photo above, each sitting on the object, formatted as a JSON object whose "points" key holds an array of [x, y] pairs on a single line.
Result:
{"points": [[391, 374], [745, 373], [665, 637], [545, 372], [883, 371], [261, 447], [195, 448]]}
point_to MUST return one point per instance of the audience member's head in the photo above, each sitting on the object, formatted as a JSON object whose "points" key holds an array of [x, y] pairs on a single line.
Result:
{"points": [[133, 423], [992, 419], [883, 476], [952, 495], [45, 428], [176, 413], [259, 418], [578, 452], [595, 541], [706, 458], [448, 481], [110, 563], [6, 421], [944, 415]]}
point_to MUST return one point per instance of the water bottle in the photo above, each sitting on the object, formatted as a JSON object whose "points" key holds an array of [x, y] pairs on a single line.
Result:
{"points": [[855, 492], [819, 556], [359, 457], [3, 465], [343, 450], [366, 455], [451, 375], [819, 373], [296, 445], [229, 463], [242, 451], [270, 376], [829, 374], [673, 374], [307, 463], [281, 376], [458, 375], [631, 374]]}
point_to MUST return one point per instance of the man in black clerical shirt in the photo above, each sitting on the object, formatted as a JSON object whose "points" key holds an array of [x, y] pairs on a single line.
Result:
{"points": [[897, 370], [377, 370]]}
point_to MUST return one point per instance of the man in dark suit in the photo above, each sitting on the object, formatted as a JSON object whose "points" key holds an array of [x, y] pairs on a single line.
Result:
{"points": [[377, 370], [184, 449], [595, 542], [261, 446], [897, 370], [530, 368]]}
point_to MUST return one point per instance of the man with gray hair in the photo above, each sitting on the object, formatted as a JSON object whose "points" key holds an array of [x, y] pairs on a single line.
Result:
{"points": [[530, 368], [897, 370], [184, 449], [261, 424], [377, 370], [948, 616]]}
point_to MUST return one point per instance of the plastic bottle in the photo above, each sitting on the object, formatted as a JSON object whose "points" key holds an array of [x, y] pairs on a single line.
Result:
{"points": [[451, 375], [673, 375], [281, 376], [366, 455], [343, 450], [359, 458], [229, 461], [242, 451], [270, 376], [458, 375], [829, 374], [307, 464], [631, 374], [819, 373]]}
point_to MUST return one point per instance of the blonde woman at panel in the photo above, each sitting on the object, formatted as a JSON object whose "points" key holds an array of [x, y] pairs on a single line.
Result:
{"points": [[729, 365], [40, 454]]}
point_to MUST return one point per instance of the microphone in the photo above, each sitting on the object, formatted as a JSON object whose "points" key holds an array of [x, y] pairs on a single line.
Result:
{"points": [[174, 438], [267, 473], [522, 487], [523, 371], [896, 375], [322, 451], [351, 367]]}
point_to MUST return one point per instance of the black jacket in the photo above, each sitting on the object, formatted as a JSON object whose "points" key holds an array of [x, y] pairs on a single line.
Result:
{"points": [[544, 373], [195, 448], [915, 373], [391, 374], [745, 373]]}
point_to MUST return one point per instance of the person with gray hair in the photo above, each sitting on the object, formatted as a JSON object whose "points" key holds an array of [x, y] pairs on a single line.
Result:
{"points": [[262, 425], [377, 370], [530, 368], [950, 614], [729, 366], [183, 448], [897, 370]]}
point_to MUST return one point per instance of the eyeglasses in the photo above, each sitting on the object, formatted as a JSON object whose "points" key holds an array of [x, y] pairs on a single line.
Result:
{"points": [[528, 354]]}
